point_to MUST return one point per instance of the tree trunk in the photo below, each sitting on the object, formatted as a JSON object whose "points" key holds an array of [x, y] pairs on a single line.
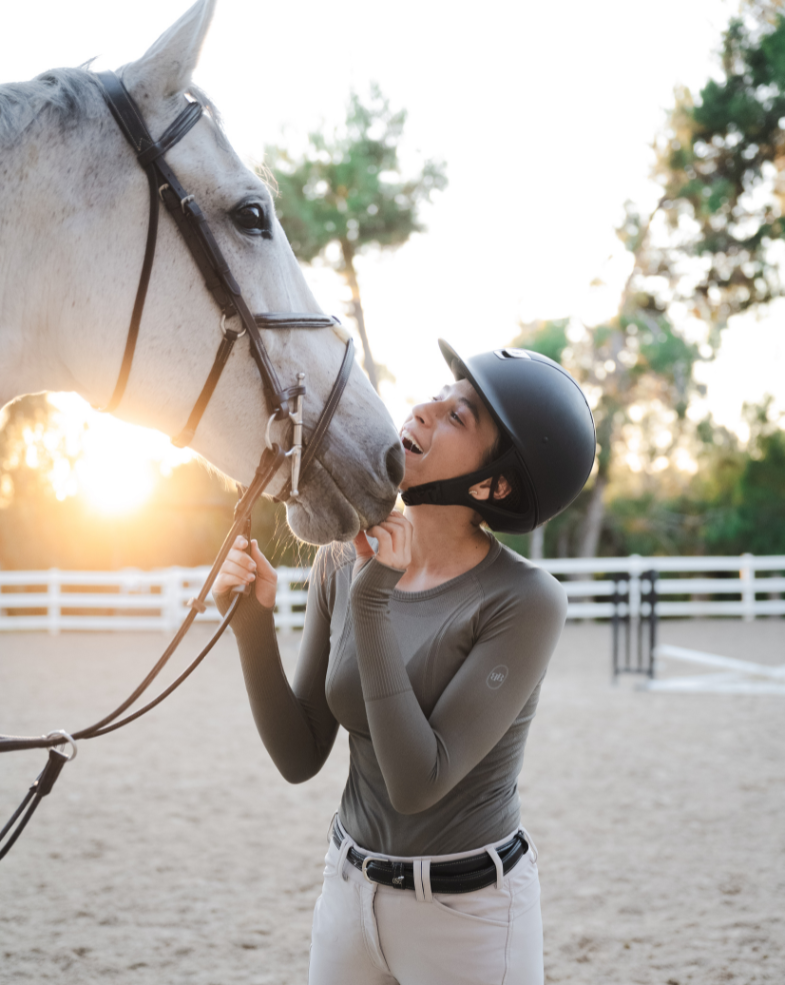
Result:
{"points": [[357, 311], [537, 544], [591, 528]]}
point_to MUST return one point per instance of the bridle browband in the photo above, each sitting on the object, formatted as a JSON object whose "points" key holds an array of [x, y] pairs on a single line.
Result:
{"points": [[219, 280]]}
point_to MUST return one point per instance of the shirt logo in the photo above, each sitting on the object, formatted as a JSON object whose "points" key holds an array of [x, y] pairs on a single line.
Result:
{"points": [[497, 677]]}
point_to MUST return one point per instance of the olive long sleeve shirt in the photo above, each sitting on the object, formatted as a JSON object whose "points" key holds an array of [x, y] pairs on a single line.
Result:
{"points": [[437, 690]]}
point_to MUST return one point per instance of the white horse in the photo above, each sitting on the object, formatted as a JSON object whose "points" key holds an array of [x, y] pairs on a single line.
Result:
{"points": [[73, 224]]}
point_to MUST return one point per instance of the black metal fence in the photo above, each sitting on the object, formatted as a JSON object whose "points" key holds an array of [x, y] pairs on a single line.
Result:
{"points": [[634, 636]]}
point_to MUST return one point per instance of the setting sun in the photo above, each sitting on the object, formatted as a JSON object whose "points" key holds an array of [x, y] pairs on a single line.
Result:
{"points": [[114, 465]]}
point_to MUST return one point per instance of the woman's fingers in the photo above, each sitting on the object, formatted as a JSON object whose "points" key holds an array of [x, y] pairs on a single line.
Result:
{"points": [[238, 568], [394, 537], [240, 558], [241, 568]]}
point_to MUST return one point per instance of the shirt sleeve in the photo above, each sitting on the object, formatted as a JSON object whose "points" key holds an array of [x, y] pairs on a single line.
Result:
{"points": [[421, 758], [294, 721]]}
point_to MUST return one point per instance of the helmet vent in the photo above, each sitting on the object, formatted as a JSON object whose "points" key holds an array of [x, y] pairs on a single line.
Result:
{"points": [[511, 354]]}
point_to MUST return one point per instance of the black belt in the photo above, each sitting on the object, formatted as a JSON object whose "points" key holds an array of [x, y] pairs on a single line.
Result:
{"points": [[462, 875]]}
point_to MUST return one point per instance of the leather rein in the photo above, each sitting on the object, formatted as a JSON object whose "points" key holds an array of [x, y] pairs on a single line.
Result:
{"points": [[282, 404]]}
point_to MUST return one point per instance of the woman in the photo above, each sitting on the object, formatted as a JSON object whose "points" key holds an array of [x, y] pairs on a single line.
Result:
{"points": [[431, 653]]}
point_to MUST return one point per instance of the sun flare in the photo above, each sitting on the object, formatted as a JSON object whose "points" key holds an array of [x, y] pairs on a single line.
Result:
{"points": [[114, 465]]}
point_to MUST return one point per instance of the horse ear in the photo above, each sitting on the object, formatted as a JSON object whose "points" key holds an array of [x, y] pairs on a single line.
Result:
{"points": [[166, 68]]}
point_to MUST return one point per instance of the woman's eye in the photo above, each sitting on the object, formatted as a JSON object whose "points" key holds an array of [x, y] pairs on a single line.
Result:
{"points": [[252, 219], [456, 417]]}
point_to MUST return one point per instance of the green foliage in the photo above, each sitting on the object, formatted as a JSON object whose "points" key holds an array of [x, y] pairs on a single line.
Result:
{"points": [[734, 503], [549, 338], [754, 515], [720, 168], [636, 357], [709, 250], [350, 189]]}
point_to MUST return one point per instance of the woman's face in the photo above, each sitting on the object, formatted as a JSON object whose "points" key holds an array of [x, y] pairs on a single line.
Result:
{"points": [[448, 436]]}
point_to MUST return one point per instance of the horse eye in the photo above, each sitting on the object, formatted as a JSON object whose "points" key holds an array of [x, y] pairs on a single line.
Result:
{"points": [[252, 219]]}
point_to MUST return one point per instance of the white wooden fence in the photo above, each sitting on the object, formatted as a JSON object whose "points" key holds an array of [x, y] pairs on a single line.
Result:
{"points": [[56, 600], [53, 600]]}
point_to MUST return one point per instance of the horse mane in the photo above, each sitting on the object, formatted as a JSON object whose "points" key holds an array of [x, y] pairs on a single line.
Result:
{"points": [[71, 95], [68, 93]]}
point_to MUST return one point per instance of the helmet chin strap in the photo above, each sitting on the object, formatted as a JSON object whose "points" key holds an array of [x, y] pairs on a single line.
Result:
{"points": [[455, 492]]}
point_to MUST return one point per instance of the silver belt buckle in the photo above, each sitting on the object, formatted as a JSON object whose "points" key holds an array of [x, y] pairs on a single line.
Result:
{"points": [[372, 858]]}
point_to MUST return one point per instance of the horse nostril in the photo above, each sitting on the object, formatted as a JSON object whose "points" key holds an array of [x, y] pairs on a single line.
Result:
{"points": [[394, 462]]}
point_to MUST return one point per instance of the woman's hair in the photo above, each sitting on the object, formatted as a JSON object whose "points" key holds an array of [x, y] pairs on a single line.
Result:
{"points": [[515, 497]]}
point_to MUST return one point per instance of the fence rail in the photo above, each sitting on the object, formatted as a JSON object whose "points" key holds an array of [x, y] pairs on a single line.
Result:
{"points": [[743, 587]]}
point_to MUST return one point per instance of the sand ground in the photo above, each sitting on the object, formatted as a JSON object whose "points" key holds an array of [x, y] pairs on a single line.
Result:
{"points": [[171, 852]]}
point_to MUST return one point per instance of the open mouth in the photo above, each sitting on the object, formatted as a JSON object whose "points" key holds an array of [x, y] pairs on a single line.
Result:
{"points": [[410, 444]]}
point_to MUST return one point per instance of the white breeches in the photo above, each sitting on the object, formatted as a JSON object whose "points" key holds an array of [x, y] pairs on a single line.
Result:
{"points": [[367, 934]]}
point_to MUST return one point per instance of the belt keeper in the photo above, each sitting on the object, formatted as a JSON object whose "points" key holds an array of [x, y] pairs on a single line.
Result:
{"points": [[499, 867], [344, 851], [422, 880], [195, 604]]}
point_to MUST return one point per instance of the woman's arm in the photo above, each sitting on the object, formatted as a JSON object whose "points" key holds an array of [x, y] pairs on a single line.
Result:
{"points": [[423, 758], [294, 722]]}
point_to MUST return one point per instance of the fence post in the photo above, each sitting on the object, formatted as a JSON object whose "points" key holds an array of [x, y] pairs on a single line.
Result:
{"points": [[171, 586], [53, 602], [283, 598], [747, 576], [635, 586]]}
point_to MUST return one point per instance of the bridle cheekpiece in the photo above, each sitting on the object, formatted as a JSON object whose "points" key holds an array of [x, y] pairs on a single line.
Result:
{"points": [[219, 280]]}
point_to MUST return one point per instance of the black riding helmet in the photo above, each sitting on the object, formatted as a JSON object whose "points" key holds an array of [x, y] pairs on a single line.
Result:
{"points": [[547, 438]]}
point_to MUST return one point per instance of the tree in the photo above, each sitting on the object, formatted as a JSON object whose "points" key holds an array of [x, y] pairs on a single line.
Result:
{"points": [[349, 191], [752, 517], [638, 364], [711, 248], [721, 162], [733, 504]]}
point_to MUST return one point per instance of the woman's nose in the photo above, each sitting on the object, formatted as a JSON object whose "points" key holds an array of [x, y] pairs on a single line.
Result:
{"points": [[423, 412]]}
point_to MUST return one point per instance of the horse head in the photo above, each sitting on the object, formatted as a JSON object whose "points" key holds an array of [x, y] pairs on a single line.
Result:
{"points": [[73, 227]]}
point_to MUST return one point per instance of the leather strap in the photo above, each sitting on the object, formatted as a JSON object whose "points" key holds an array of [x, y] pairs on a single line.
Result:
{"points": [[464, 875], [326, 417], [133, 127], [195, 231], [186, 436], [218, 278], [171, 135], [141, 296], [283, 319]]}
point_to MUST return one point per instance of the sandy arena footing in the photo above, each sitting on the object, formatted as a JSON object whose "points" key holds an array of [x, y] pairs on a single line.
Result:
{"points": [[172, 852]]}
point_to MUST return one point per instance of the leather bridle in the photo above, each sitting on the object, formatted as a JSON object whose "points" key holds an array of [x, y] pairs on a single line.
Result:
{"points": [[219, 280]]}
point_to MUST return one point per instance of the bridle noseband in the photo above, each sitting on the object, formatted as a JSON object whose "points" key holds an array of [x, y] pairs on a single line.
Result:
{"points": [[219, 280]]}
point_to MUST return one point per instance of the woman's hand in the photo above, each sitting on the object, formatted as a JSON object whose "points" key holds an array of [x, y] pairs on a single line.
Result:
{"points": [[395, 543], [240, 568]]}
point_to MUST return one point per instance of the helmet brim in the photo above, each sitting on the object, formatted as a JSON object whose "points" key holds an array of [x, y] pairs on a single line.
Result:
{"points": [[460, 371]]}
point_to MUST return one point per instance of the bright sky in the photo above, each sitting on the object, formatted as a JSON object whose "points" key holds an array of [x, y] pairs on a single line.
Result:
{"points": [[543, 111]]}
